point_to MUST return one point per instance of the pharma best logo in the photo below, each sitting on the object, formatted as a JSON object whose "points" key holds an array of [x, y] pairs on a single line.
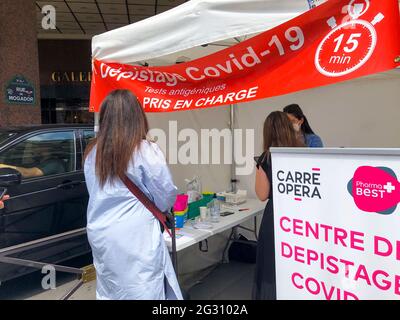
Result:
{"points": [[375, 189], [300, 184]]}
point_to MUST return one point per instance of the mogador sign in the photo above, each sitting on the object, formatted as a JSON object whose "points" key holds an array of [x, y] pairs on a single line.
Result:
{"points": [[20, 91]]}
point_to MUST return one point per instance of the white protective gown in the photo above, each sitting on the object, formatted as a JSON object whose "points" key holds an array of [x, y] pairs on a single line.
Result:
{"points": [[129, 253]]}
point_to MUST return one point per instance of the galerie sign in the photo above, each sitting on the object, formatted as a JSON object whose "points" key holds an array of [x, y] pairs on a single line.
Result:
{"points": [[335, 41], [336, 229]]}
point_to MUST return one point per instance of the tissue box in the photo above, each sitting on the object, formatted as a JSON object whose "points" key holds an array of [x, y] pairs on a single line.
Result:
{"points": [[235, 198]]}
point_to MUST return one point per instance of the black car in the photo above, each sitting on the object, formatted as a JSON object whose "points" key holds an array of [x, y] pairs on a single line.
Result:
{"points": [[41, 166]]}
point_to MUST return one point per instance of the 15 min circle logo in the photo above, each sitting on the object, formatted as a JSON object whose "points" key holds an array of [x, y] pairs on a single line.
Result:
{"points": [[349, 45]]}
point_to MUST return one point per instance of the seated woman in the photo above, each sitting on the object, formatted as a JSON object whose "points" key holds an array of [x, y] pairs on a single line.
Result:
{"points": [[303, 129]]}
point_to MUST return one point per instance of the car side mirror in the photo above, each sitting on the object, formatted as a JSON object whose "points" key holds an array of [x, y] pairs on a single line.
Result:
{"points": [[9, 177]]}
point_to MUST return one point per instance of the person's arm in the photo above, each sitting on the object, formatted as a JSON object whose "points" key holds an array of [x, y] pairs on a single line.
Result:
{"points": [[315, 142], [262, 184], [318, 142], [6, 197], [25, 172], [157, 178]]}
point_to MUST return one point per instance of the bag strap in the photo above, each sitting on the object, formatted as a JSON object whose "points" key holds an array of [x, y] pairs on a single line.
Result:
{"points": [[146, 202]]}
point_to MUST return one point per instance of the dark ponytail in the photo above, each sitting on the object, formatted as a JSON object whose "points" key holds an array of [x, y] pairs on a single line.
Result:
{"points": [[295, 110]]}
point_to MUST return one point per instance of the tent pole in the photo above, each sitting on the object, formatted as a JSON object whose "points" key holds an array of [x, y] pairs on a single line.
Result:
{"points": [[96, 122], [233, 166]]}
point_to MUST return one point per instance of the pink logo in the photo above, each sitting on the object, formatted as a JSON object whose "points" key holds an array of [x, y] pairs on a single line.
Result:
{"points": [[375, 189]]}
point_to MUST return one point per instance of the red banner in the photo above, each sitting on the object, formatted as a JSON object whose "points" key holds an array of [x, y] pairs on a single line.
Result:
{"points": [[337, 41]]}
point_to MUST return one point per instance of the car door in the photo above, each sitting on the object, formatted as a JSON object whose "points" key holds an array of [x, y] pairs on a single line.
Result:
{"points": [[88, 135], [45, 205]]}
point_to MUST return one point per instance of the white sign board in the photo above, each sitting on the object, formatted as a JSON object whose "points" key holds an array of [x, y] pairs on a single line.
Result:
{"points": [[337, 224]]}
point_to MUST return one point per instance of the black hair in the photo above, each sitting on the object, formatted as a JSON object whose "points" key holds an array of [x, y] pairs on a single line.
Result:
{"points": [[295, 110]]}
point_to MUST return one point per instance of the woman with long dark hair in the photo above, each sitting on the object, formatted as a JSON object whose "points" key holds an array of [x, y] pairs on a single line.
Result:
{"points": [[129, 252], [302, 127], [278, 132]]}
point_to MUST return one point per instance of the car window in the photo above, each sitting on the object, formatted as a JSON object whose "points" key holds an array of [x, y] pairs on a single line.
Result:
{"points": [[51, 153], [88, 135], [4, 135]]}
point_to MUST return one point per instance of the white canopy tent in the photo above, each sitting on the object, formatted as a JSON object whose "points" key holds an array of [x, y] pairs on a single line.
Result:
{"points": [[187, 29], [192, 24]]}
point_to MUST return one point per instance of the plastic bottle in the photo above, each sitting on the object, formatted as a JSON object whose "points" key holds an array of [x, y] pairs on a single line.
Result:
{"points": [[215, 209]]}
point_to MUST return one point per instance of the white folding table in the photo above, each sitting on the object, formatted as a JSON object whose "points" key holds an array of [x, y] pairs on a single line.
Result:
{"points": [[188, 235]]}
